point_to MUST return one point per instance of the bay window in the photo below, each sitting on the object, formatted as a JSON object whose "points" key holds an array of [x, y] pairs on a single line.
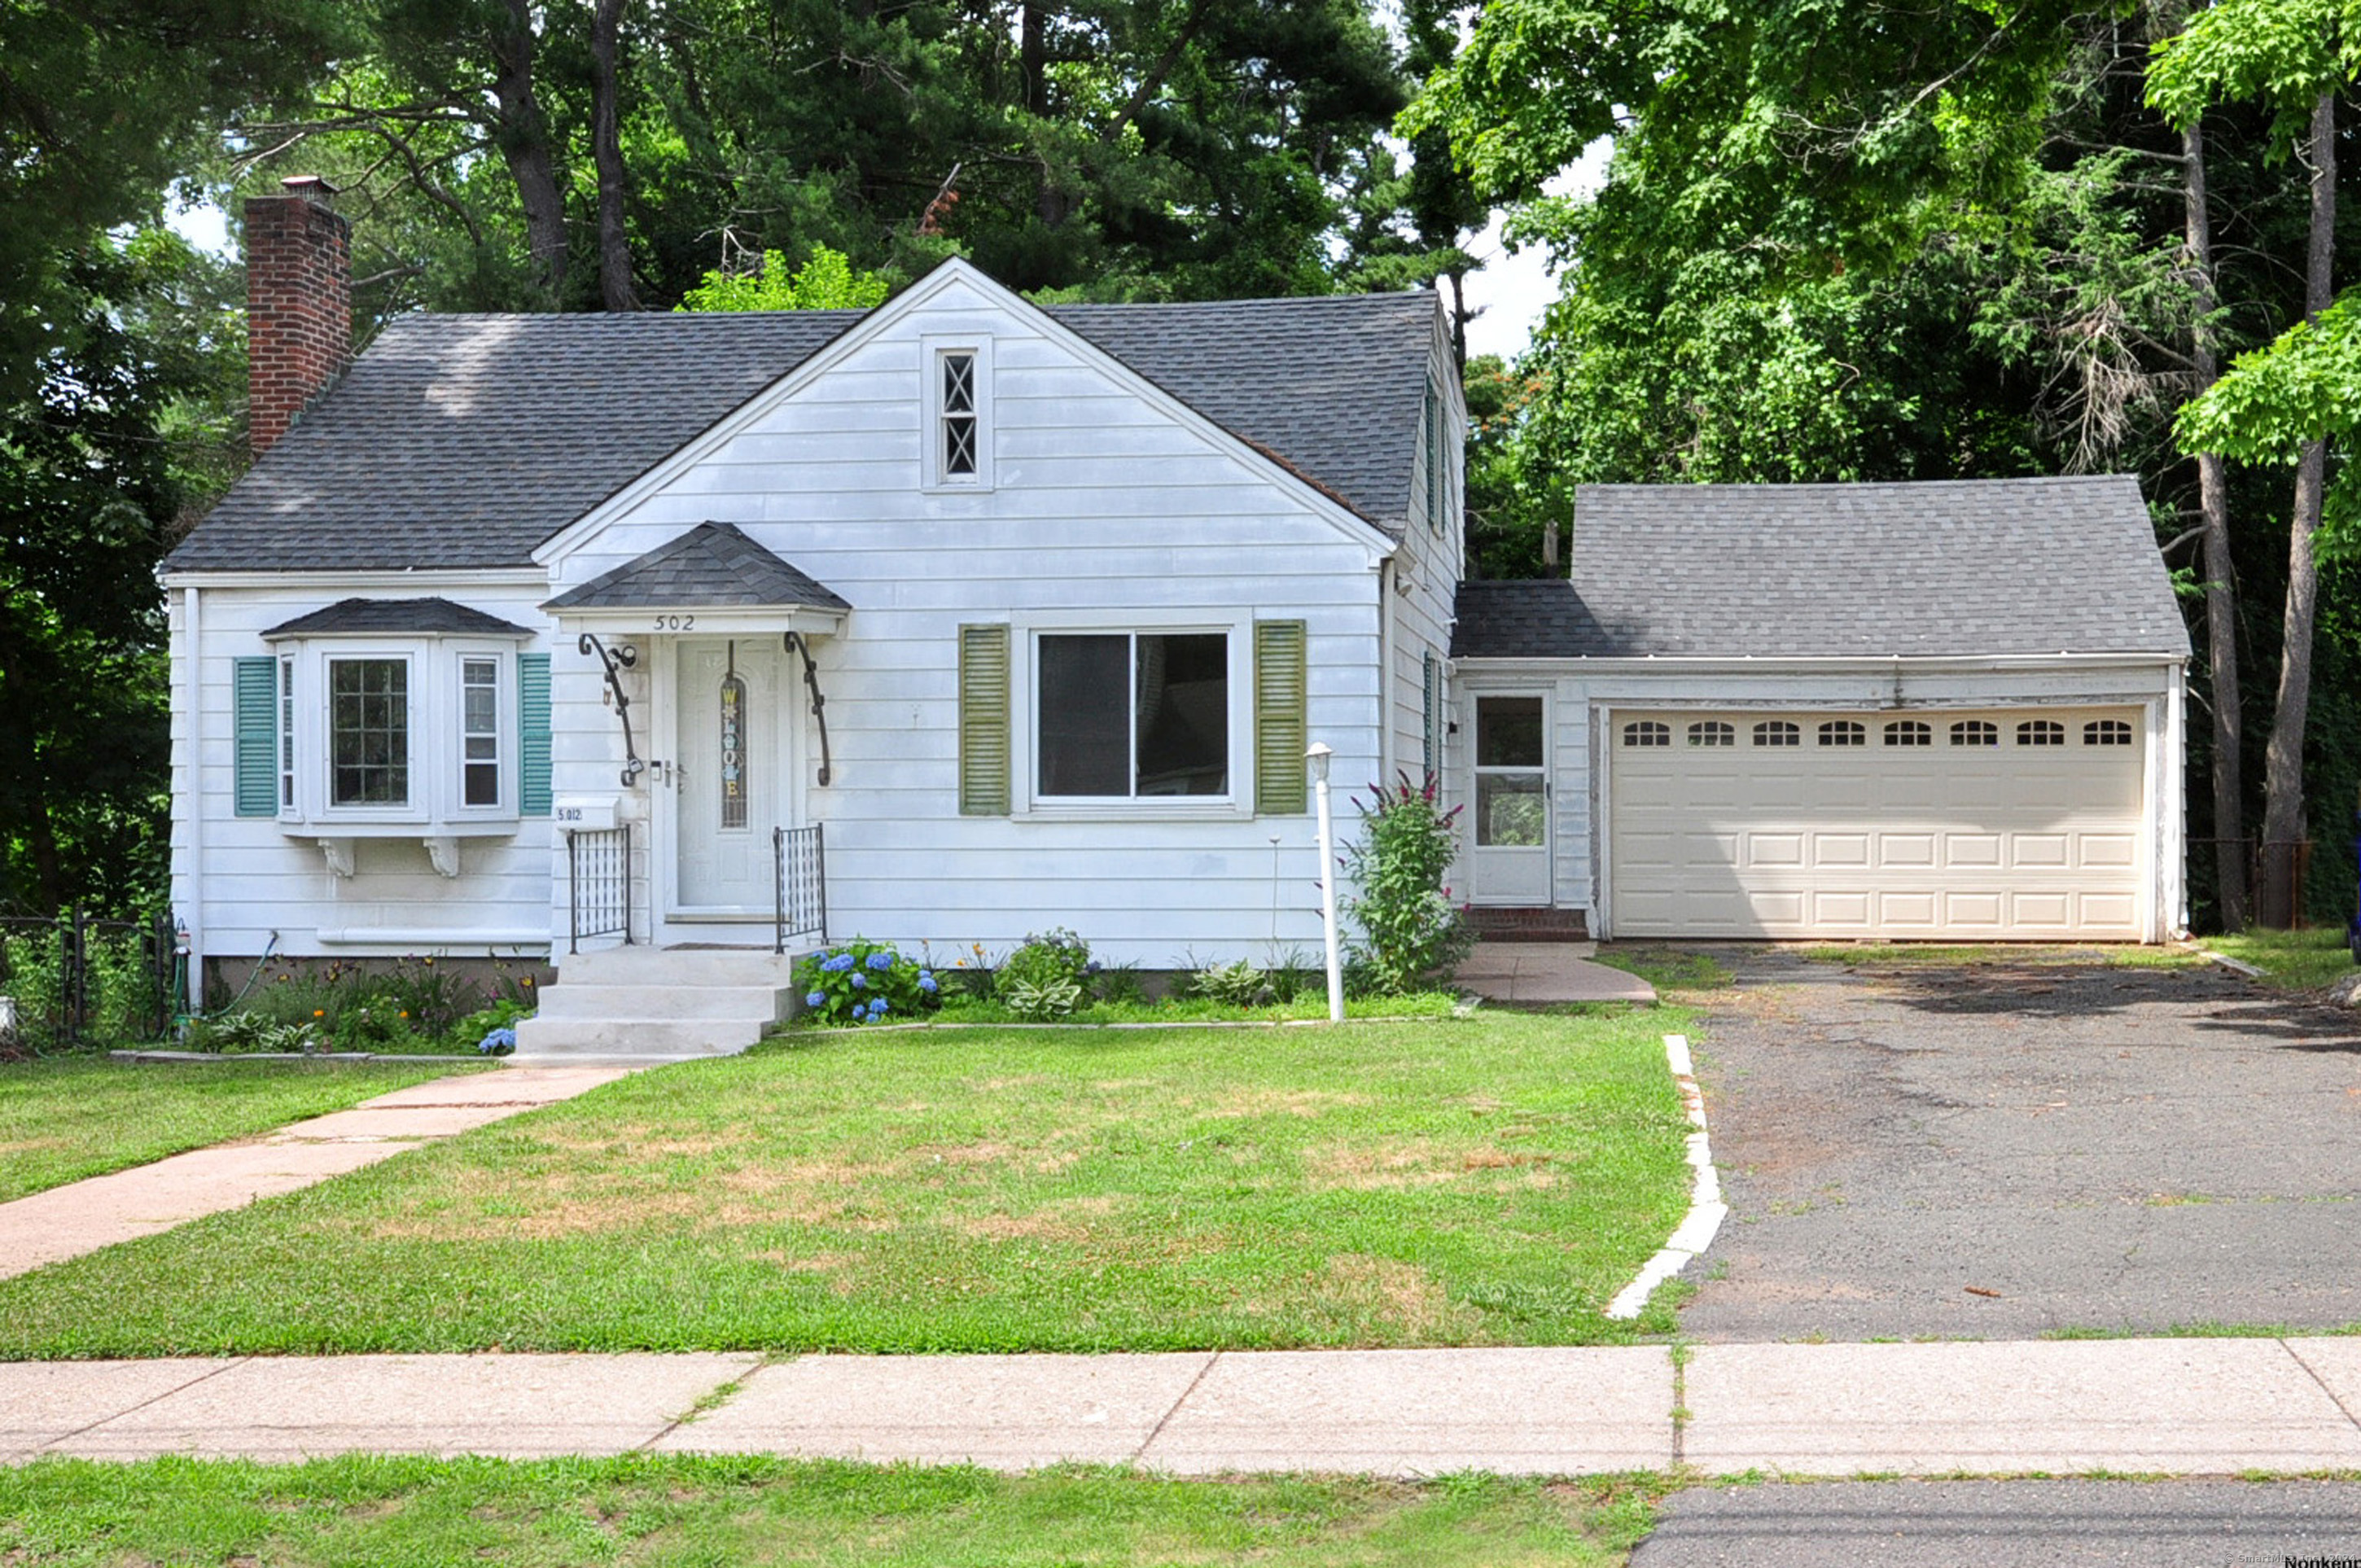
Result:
{"points": [[369, 733]]}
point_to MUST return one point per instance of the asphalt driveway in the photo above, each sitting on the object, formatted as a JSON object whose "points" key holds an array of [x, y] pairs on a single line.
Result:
{"points": [[2000, 1152]]}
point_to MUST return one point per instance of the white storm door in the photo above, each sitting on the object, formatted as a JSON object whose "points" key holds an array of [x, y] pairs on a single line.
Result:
{"points": [[730, 775], [1509, 862]]}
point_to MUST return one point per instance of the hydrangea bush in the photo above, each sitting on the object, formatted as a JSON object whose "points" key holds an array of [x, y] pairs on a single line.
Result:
{"points": [[864, 982]]}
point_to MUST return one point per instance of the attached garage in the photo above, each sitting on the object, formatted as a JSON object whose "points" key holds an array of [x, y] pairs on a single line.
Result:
{"points": [[1945, 711]]}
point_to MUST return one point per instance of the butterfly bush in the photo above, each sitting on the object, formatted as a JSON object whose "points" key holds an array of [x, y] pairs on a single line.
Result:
{"points": [[864, 982]]}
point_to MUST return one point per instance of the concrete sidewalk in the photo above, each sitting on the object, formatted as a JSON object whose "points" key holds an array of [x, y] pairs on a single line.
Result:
{"points": [[1548, 972], [82, 1216], [2182, 1407]]}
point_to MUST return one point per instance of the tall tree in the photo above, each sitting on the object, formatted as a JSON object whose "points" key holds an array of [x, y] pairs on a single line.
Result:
{"points": [[2297, 54]]}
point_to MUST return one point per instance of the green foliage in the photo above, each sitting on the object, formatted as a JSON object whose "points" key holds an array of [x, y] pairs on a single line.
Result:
{"points": [[1046, 977], [243, 1032], [1239, 983], [2286, 52], [826, 283], [864, 982], [1410, 928], [413, 1005]]}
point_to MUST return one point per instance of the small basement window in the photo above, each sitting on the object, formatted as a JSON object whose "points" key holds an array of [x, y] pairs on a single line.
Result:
{"points": [[1975, 732], [2041, 732], [2106, 732], [1909, 732], [1777, 732], [1647, 732], [1843, 732], [1713, 732]]}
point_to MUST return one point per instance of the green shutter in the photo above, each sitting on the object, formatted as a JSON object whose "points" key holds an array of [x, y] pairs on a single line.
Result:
{"points": [[984, 721], [1430, 698], [532, 734], [255, 695], [1278, 692]]}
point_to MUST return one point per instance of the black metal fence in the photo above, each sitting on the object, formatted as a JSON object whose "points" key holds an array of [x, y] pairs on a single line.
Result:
{"points": [[76, 983], [598, 882], [799, 860]]}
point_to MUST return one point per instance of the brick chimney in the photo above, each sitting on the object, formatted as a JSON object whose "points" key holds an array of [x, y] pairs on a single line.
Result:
{"points": [[298, 304]]}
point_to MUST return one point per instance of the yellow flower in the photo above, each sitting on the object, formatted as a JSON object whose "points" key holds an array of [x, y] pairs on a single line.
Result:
{"points": [[319, 1013], [526, 980]]}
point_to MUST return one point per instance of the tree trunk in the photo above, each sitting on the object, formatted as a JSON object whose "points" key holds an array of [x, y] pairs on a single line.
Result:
{"points": [[521, 132], [1033, 59], [615, 291], [2221, 585], [2283, 819]]}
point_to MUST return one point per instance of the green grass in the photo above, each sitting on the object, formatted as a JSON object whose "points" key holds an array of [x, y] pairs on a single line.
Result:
{"points": [[678, 1512], [2290, 960], [64, 1118], [1308, 1006], [1666, 968], [1486, 1181], [1944, 955]]}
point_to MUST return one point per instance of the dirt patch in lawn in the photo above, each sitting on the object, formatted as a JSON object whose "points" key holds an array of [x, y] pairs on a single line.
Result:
{"points": [[1282, 1102], [1373, 1167], [1069, 1222], [1402, 1294]]}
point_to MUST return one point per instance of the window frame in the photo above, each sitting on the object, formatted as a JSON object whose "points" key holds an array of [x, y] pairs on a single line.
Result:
{"points": [[1907, 734], [1647, 733], [2040, 732], [1840, 733], [434, 715], [411, 807], [1712, 734], [289, 774], [935, 477], [1777, 734], [1026, 800], [2109, 732], [1977, 732]]}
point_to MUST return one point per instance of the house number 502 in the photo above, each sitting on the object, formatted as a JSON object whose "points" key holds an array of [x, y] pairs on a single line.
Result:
{"points": [[675, 622]]}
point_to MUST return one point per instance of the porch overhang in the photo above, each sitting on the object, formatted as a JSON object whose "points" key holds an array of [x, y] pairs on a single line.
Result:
{"points": [[713, 579]]}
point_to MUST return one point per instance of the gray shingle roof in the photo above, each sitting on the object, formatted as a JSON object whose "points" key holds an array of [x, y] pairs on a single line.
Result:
{"points": [[1961, 567], [358, 615], [713, 565], [460, 441]]}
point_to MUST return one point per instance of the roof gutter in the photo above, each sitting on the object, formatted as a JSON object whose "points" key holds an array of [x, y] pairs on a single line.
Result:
{"points": [[1838, 665]]}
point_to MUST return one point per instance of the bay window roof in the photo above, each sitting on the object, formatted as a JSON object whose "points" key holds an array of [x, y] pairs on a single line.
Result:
{"points": [[411, 617]]}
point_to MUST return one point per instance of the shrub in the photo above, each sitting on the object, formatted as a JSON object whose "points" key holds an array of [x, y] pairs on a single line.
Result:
{"points": [[1410, 927], [240, 1033], [1044, 979], [1120, 984], [1237, 983], [479, 1030], [864, 982]]}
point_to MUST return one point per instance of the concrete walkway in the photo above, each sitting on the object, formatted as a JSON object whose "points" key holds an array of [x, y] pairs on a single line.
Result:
{"points": [[2179, 1407], [82, 1216], [1548, 972]]}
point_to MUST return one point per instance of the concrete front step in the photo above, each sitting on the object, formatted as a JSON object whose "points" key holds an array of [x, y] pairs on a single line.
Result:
{"points": [[543, 1039], [678, 966], [576, 999]]}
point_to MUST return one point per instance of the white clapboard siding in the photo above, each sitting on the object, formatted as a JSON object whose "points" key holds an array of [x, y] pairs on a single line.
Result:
{"points": [[237, 879], [1106, 512]]}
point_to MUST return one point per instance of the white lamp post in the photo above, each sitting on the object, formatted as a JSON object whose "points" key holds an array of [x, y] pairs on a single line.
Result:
{"points": [[1318, 754]]}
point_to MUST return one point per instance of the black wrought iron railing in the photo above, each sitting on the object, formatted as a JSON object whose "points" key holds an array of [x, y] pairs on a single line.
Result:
{"points": [[799, 859], [598, 882]]}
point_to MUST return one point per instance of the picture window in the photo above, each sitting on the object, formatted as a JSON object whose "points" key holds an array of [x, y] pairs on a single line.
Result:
{"points": [[1123, 714], [369, 733]]}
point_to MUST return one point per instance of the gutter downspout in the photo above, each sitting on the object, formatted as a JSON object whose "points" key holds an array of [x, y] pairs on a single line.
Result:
{"points": [[193, 641], [1386, 636]]}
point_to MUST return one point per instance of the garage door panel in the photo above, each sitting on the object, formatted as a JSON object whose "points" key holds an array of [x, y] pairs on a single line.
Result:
{"points": [[1978, 842]]}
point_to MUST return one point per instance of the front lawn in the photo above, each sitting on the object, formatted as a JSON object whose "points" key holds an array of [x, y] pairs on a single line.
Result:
{"points": [[2290, 960], [1486, 1181], [1982, 955], [395, 1513], [64, 1118]]}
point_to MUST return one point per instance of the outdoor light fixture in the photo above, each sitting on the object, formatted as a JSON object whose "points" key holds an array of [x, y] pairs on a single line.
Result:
{"points": [[1317, 754]]}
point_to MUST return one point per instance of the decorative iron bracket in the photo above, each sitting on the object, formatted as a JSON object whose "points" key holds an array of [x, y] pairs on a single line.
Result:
{"points": [[614, 660], [798, 646]]}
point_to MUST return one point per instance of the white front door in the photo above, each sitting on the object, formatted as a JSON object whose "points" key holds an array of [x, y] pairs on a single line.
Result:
{"points": [[1510, 861], [729, 776]]}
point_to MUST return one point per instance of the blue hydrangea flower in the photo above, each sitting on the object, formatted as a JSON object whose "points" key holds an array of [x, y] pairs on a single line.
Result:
{"points": [[816, 999], [927, 984], [838, 963], [882, 961], [860, 981], [498, 1042], [877, 1009]]}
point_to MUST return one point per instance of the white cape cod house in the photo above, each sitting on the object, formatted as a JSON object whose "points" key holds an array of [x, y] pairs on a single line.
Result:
{"points": [[654, 644]]}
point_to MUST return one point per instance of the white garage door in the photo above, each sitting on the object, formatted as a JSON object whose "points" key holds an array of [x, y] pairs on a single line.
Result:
{"points": [[1999, 824]]}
